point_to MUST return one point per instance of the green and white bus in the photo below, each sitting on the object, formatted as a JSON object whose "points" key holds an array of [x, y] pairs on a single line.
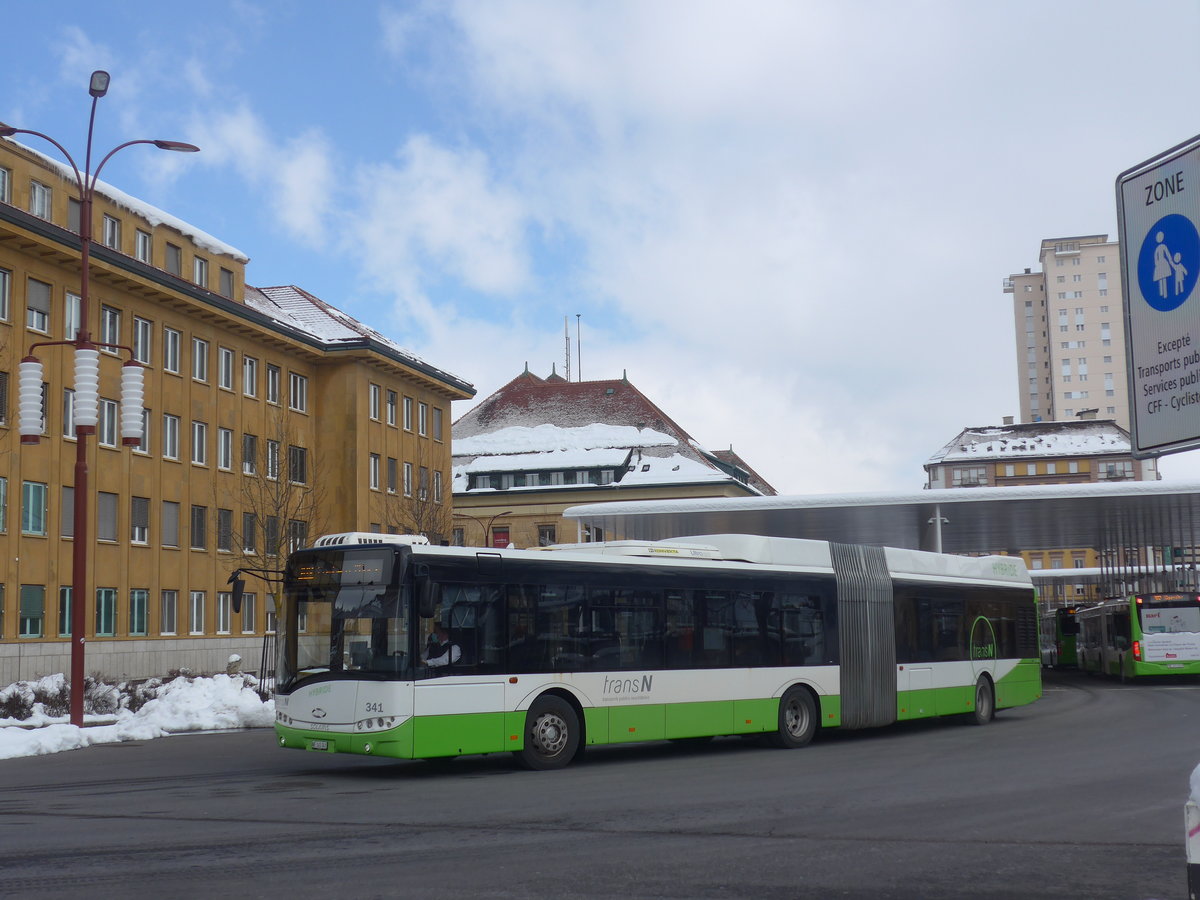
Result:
{"points": [[1059, 630], [390, 647], [1146, 634]]}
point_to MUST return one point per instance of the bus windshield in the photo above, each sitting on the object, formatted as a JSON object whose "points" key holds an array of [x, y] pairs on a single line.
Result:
{"points": [[1170, 614], [344, 614]]}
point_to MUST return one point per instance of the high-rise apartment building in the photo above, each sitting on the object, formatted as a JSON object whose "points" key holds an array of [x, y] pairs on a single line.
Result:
{"points": [[1070, 335]]}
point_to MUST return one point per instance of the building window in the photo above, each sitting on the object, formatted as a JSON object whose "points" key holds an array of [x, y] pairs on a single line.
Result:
{"points": [[143, 334], [139, 520], [199, 359], [297, 465], [547, 535], [423, 419], [408, 479], [224, 611], [226, 284], [968, 476], [37, 305], [39, 200], [273, 378], [391, 475], [225, 359], [199, 538], [33, 508], [249, 533], [170, 523], [139, 601], [248, 614], [224, 449], [196, 613], [199, 443], [423, 484], [106, 612], [112, 232], [373, 472], [64, 612], [106, 517], [249, 376], [458, 537], [225, 530], [171, 342], [200, 271], [170, 440], [141, 246], [408, 413], [169, 612], [110, 328], [174, 260], [33, 611], [373, 396], [437, 486], [298, 392], [5, 185], [391, 404], [297, 535], [5, 293], [437, 424], [249, 454], [272, 459], [106, 428]]}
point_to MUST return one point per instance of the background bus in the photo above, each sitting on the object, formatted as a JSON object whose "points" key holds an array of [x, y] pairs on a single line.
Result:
{"points": [[631, 641], [1147, 634], [1058, 630]]}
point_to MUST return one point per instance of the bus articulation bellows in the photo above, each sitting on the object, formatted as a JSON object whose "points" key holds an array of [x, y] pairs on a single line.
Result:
{"points": [[543, 652]]}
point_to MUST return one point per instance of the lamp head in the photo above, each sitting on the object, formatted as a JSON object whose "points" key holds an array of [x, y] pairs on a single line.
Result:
{"points": [[7, 130], [99, 83], [176, 145]]}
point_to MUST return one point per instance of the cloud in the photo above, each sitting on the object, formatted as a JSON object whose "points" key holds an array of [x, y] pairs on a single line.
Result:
{"points": [[437, 212]]}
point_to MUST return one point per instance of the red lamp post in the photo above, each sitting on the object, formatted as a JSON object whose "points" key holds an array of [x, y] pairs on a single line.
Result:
{"points": [[86, 380]]}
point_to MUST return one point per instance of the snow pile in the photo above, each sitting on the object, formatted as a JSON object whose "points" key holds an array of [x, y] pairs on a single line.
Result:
{"points": [[196, 704]]}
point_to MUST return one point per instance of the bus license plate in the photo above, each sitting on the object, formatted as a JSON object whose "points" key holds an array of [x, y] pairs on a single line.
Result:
{"points": [[1175, 665], [320, 745]]}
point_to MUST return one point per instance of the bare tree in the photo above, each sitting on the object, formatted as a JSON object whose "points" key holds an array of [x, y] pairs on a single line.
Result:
{"points": [[417, 504], [280, 495]]}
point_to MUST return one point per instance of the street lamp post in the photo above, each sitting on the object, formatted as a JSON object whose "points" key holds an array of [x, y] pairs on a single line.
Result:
{"points": [[487, 529], [85, 407]]}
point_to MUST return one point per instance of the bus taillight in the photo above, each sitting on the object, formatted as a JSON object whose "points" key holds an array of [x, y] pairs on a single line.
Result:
{"points": [[1137, 651]]}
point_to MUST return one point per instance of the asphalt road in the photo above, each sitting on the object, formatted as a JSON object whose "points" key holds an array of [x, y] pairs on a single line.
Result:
{"points": [[1080, 795]]}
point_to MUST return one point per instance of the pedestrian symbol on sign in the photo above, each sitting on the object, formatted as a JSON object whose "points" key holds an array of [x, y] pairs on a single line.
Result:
{"points": [[1168, 262]]}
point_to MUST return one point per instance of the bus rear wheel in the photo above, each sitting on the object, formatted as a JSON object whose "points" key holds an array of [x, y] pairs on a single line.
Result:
{"points": [[985, 702], [797, 719], [551, 734]]}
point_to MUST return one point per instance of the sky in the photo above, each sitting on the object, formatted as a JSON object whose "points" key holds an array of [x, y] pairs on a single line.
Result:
{"points": [[788, 223]]}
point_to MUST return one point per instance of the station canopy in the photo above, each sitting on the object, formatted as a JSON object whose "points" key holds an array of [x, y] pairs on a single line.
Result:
{"points": [[1101, 516]]}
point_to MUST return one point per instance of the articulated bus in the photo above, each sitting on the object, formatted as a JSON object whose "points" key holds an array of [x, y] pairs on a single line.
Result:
{"points": [[1059, 630], [391, 647], [1147, 634]]}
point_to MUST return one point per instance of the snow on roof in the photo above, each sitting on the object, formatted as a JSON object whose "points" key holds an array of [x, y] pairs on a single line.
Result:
{"points": [[152, 214], [1100, 437], [309, 314], [549, 438], [570, 458]]}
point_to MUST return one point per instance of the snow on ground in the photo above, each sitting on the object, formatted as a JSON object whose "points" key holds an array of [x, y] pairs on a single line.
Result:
{"points": [[196, 704]]}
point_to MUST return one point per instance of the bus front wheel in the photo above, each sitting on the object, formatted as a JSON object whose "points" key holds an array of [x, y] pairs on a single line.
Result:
{"points": [[797, 719], [551, 734], [985, 701]]}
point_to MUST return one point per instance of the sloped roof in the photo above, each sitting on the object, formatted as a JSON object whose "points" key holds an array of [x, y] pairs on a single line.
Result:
{"points": [[1036, 440], [296, 308], [535, 423]]}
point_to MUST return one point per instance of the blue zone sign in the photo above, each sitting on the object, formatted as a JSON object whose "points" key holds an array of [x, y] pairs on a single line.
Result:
{"points": [[1158, 208]]}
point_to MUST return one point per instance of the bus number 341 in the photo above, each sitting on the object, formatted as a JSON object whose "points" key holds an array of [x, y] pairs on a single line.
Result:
{"points": [[373, 707]]}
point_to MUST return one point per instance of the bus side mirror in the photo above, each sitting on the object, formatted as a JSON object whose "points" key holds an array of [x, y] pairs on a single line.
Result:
{"points": [[429, 595], [239, 588]]}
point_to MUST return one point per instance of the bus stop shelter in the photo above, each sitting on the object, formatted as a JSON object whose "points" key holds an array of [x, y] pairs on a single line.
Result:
{"points": [[1144, 532]]}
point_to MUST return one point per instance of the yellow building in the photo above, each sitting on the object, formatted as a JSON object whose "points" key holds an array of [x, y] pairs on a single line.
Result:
{"points": [[1083, 451], [270, 416], [538, 446]]}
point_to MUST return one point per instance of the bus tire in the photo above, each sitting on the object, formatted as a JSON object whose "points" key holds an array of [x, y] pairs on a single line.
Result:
{"points": [[985, 702], [797, 719], [551, 734]]}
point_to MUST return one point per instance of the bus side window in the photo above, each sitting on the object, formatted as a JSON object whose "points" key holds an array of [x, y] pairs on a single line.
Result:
{"points": [[681, 628]]}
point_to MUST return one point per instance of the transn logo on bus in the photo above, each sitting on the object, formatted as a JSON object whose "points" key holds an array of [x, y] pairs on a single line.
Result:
{"points": [[628, 685]]}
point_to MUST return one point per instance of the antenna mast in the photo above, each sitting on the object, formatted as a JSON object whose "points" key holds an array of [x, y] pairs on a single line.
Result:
{"points": [[578, 351], [567, 339]]}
